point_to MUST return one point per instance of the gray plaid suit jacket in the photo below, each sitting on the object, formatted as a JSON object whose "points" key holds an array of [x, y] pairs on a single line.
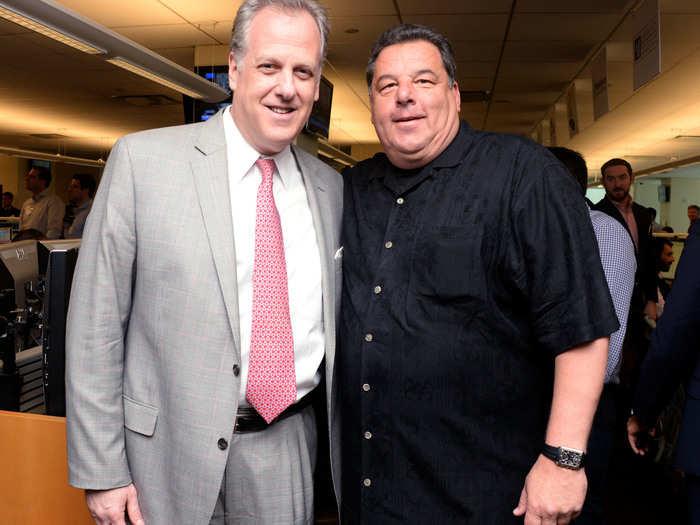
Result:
{"points": [[153, 331]]}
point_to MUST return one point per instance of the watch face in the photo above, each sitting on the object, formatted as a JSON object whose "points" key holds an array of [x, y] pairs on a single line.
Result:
{"points": [[570, 458]]}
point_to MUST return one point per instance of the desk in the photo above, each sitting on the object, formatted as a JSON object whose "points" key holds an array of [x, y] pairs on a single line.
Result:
{"points": [[34, 476]]}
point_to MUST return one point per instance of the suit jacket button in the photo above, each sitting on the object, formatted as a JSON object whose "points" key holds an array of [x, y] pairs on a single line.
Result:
{"points": [[236, 370], [222, 444]]}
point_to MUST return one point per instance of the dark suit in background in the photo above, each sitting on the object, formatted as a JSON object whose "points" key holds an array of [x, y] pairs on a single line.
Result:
{"points": [[673, 358]]}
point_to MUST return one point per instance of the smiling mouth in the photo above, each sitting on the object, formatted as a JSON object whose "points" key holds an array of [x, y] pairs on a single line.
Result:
{"points": [[279, 110], [407, 119]]}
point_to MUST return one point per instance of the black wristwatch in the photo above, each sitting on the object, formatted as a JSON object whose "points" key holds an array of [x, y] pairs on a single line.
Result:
{"points": [[565, 457]]}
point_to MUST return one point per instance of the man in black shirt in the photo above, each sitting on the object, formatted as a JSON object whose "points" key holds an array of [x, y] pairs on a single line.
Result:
{"points": [[8, 210], [473, 299]]}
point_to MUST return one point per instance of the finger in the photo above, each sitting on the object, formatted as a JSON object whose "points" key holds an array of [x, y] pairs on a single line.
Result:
{"points": [[133, 510], [532, 519], [632, 439], [522, 504]]}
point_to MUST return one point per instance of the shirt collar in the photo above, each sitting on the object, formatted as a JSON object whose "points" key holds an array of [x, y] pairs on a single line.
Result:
{"points": [[243, 155]]}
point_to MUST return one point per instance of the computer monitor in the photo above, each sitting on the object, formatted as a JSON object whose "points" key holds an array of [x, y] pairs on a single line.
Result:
{"points": [[62, 257], [19, 266], [5, 234]]}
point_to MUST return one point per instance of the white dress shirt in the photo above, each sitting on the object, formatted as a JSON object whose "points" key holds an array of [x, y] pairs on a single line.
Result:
{"points": [[43, 213], [302, 255]]}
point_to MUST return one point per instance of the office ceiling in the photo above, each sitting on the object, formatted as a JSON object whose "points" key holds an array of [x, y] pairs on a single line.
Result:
{"points": [[523, 54]]}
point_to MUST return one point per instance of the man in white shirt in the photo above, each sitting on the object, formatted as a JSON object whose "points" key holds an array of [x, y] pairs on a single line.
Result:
{"points": [[196, 333], [43, 211]]}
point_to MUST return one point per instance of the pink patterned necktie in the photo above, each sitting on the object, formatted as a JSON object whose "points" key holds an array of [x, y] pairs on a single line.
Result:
{"points": [[271, 377]]}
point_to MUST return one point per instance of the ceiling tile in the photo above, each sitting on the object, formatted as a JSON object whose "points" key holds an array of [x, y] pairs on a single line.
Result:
{"points": [[421, 7], [464, 27], [547, 50], [561, 26]]}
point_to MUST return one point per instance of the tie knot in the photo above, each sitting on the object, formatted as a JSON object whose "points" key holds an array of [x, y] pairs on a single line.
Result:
{"points": [[266, 167]]}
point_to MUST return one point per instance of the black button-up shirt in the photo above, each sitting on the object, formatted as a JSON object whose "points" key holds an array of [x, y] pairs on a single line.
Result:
{"points": [[462, 281]]}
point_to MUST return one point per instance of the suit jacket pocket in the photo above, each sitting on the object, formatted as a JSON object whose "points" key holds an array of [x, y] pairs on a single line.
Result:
{"points": [[139, 417]]}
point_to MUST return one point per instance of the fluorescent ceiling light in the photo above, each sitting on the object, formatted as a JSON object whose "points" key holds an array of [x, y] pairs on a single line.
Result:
{"points": [[40, 155], [34, 25], [125, 64], [68, 27]]}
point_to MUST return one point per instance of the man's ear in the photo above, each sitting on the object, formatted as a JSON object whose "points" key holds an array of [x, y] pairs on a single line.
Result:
{"points": [[232, 71], [458, 97]]}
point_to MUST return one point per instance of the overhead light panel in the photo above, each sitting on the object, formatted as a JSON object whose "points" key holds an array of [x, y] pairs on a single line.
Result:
{"points": [[19, 18], [68, 27], [52, 157], [125, 64]]}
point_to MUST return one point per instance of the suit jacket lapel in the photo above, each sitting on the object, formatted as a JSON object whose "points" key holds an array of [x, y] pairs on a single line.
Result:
{"points": [[210, 174], [319, 202]]}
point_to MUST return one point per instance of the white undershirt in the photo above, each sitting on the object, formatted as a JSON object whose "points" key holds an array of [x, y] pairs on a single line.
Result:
{"points": [[301, 252]]}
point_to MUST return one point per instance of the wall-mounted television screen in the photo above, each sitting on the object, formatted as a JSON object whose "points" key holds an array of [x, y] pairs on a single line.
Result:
{"points": [[320, 119]]}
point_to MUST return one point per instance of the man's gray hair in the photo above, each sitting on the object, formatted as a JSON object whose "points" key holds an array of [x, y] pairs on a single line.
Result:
{"points": [[410, 33], [249, 8]]}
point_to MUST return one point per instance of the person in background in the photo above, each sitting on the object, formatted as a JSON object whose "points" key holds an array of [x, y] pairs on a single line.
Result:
{"points": [[8, 210], [475, 312], [655, 226], [619, 264], [43, 211], [665, 258], [674, 359], [80, 193], [693, 210]]}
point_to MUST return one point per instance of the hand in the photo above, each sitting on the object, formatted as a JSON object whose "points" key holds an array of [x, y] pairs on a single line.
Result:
{"points": [[635, 430], [552, 495], [107, 507], [650, 310]]}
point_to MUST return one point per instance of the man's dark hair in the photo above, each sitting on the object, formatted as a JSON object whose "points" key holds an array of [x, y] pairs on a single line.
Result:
{"points": [[87, 182], [410, 33], [659, 244], [695, 206], [574, 162], [44, 174], [616, 162], [9, 195], [667, 229], [652, 212]]}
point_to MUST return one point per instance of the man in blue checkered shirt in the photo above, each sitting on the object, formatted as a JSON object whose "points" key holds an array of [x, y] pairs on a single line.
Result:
{"points": [[619, 264]]}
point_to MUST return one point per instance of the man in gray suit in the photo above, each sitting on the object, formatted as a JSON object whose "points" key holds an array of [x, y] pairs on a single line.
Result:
{"points": [[196, 333]]}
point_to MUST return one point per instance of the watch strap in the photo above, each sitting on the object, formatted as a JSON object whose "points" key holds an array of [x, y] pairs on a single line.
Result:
{"points": [[565, 457]]}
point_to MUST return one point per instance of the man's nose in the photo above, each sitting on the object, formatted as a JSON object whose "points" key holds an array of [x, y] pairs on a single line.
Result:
{"points": [[404, 93], [285, 85]]}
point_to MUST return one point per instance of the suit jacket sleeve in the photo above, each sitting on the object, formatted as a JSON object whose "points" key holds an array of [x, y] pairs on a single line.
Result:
{"points": [[674, 349], [96, 327]]}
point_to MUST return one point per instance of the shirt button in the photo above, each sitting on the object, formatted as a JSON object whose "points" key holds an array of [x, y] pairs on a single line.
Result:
{"points": [[388, 244], [366, 482], [377, 289], [368, 338], [223, 444], [399, 200], [236, 370], [368, 435], [365, 387]]}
